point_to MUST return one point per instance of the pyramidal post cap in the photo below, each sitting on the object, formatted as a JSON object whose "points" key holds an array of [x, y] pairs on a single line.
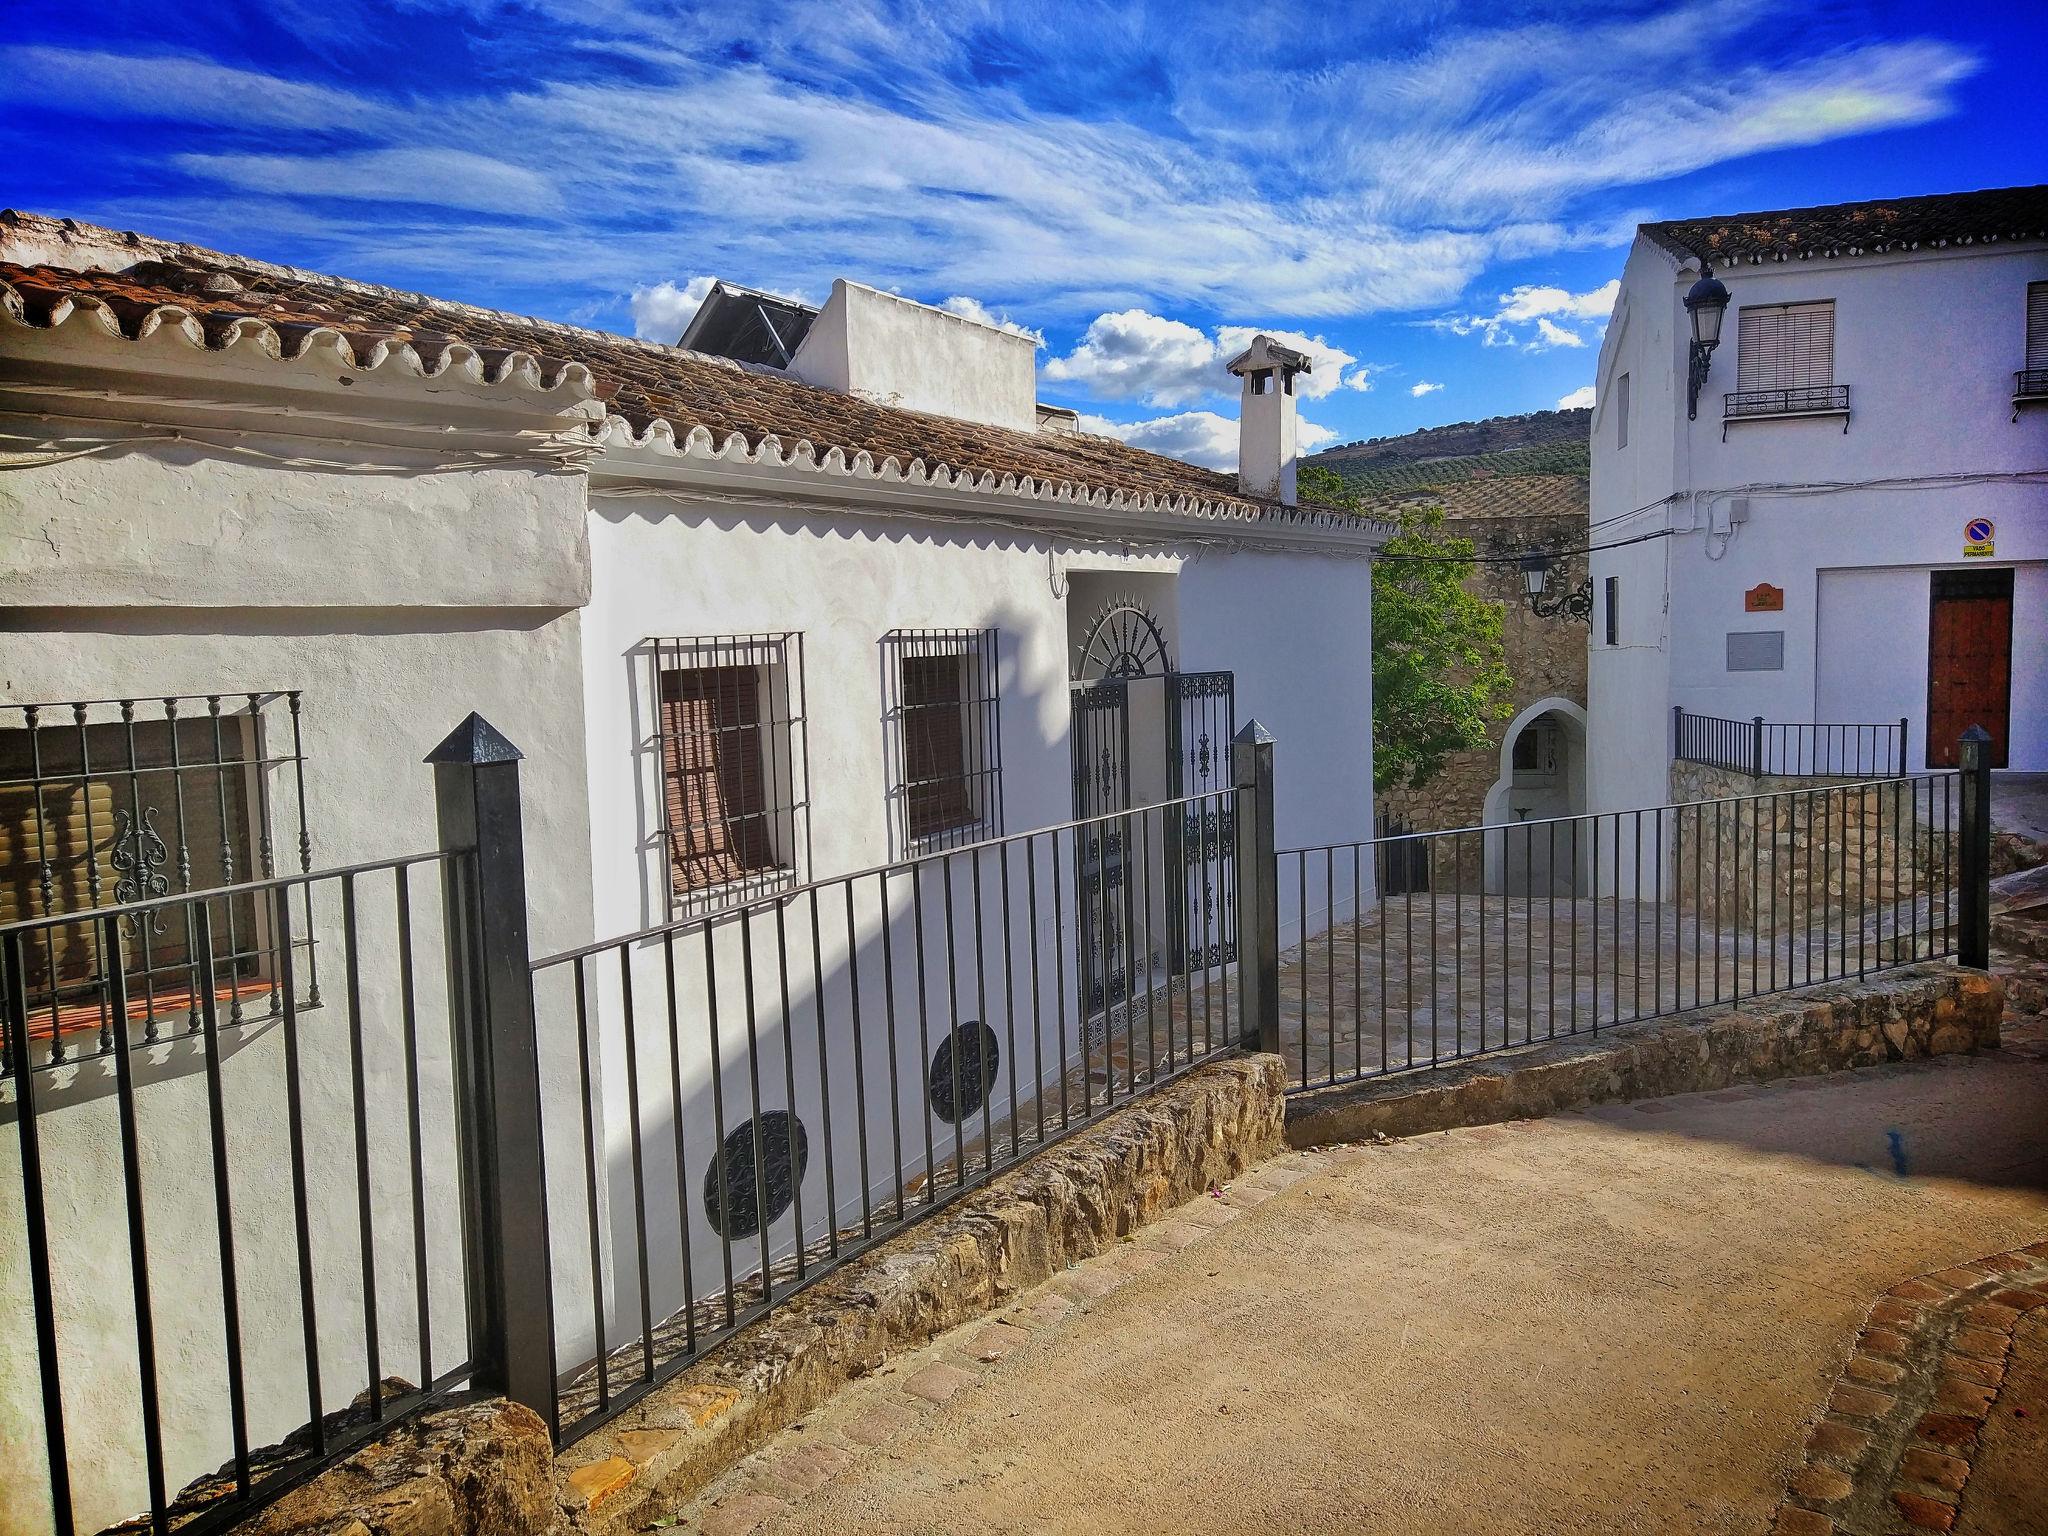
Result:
{"points": [[473, 743], [1254, 734]]}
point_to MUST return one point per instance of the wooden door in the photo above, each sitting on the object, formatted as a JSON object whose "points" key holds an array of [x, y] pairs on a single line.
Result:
{"points": [[1969, 662]]}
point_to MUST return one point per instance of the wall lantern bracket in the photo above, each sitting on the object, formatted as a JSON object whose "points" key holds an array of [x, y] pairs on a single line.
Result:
{"points": [[1576, 603], [1706, 302]]}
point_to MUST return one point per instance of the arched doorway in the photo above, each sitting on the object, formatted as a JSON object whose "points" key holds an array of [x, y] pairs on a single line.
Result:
{"points": [[1542, 778], [1143, 733]]}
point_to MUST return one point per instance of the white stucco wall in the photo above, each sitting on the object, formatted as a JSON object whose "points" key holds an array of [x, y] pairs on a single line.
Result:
{"points": [[892, 350], [382, 685]]}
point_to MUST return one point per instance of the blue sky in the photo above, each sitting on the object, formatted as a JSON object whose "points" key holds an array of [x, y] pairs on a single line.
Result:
{"points": [[1432, 194]]}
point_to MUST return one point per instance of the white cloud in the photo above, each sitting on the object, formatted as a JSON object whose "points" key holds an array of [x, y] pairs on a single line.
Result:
{"points": [[1198, 437], [1418, 390], [1510, 324], [1528, 302], [1137, 355], [660, 313], [1308, 437], [182, 90], [1580, 399], [443, 177], [973, 309], [1387, 177]]}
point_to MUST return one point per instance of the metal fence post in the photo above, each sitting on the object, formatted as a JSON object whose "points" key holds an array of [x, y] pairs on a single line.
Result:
{"points": [[1973, 938], [476, 793], [1258, 889], [1756, 747], [1678, 730], [1904, 722]]}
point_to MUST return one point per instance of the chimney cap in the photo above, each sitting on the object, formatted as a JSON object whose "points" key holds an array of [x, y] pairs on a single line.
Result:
{"points": [[1265, 353]]}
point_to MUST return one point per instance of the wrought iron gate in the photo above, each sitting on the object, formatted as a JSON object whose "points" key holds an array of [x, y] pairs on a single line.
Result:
{"points": [[1201, 719], [1102, 783]]}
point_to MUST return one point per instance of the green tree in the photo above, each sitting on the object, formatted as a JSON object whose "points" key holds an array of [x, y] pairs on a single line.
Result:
{"points": [[1439, 671]]}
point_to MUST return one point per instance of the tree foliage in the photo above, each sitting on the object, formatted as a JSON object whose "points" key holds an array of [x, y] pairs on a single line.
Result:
{"points": [[1439, 670]]}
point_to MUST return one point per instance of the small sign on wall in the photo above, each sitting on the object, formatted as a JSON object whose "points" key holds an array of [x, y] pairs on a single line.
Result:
{"points": [[1980, 538], [1764, 598]]}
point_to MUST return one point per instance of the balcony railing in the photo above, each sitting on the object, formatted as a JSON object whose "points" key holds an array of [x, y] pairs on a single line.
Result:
{"points": [[1808, 400], [1861, 750], [2030, 384]]}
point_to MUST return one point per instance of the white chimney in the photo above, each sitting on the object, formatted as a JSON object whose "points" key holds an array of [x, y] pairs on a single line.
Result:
{"points": [[1265, 418]]}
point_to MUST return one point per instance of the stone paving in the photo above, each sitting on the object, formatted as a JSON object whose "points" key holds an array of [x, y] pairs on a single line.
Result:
{"points": [[1437, 977]]}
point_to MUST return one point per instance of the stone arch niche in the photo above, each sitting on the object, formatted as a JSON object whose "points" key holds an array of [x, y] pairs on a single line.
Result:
{"points": [[1542, 775]]}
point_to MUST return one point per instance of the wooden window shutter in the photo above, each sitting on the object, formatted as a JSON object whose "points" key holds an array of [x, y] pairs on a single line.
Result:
{"points": [[1786, 346], [69, 958], [2037, 326], [714, 779], [935, 763]]}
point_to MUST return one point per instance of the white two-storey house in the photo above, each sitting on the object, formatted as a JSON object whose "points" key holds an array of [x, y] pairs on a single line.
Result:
{"points": [[1820, 493]]}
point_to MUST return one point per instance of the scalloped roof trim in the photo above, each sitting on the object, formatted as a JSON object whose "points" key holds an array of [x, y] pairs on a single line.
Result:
{"points": [[700, 443], [284, 341]]}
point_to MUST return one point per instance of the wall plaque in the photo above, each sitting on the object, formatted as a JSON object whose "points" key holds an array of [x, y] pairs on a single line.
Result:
{"points": [[1764, 598]]}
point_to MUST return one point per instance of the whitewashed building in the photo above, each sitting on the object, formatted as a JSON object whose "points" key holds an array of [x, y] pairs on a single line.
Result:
{"points": [[1835, 521], [833, 591]]}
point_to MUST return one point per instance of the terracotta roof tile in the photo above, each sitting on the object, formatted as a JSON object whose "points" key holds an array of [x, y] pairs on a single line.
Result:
{"points": [[1849, 229], [640, 381]]}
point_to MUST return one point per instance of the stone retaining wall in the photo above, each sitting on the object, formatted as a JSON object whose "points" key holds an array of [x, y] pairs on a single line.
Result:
{"points": [[1811, 855], [1924, 1010]]}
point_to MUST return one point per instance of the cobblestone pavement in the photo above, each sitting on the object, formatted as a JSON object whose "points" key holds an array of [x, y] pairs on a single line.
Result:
{"points": [[1623, 1320]]}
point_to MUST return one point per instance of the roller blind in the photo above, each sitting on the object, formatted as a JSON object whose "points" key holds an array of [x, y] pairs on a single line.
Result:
{"points": [[713, 775], [49, 842], [1786, 346], [2037, 326], [935, 762]]}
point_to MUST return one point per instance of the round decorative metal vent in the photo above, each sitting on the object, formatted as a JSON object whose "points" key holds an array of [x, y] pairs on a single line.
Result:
{"points": [[973, 1049], [1124, 641], [732, 1173]]}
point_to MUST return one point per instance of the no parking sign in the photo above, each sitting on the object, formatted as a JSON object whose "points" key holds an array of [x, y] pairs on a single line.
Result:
{"points": [[1980, 536]]}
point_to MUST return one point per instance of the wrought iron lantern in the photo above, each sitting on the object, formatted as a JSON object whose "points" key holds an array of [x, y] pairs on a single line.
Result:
{"points": [[1575, 604], [1707, 303]]}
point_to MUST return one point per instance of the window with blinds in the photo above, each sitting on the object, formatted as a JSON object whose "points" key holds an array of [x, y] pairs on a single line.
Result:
{"points": [[108, 802], [730, 732], [2037, 329], [1785, 346], [946, 777], [1621, 412]]}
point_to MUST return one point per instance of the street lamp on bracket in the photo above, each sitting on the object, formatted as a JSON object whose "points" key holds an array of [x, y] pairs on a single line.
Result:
{"points": [[1577, 603], [1706, 302]]}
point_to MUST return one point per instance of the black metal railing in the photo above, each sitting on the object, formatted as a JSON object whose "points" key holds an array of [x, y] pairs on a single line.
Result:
{"points": [[563, 1179], [1760, 747], [2030, 384], [282, 1165], [1537, 930], [808, 1074], [1806, 400]]}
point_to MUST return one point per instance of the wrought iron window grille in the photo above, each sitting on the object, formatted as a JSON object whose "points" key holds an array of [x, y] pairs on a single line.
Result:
{"points": [[105, 802], [732, 751], [944, 717]]}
